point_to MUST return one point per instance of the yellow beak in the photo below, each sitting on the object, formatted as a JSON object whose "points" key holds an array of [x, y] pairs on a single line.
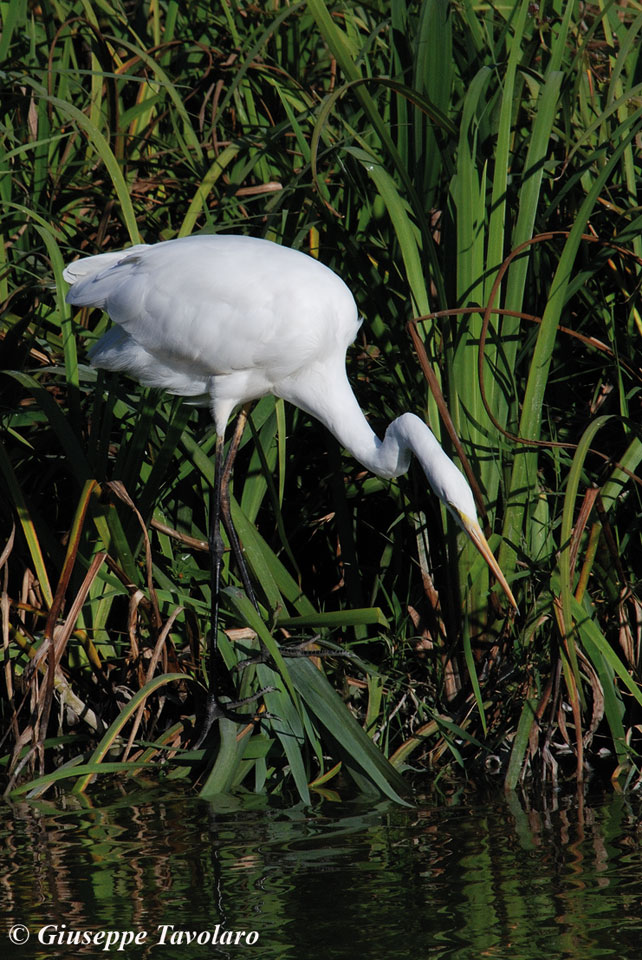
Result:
{"points": [[474, 531]]}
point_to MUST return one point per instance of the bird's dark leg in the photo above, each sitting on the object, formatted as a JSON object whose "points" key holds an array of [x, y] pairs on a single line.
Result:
{"points": [[216, 559], [294, 650], [220, 512], [226, 513], [219, 509]]}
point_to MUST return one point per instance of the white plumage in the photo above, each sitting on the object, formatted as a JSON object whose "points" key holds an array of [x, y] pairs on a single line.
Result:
{"points": [[233, 318]]}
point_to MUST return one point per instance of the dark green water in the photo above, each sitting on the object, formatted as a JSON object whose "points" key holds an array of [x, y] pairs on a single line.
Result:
{"points": [[465, 881]]}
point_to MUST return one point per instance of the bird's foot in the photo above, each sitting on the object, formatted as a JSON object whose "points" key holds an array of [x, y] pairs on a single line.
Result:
{"points": [[292, 650], [217, 709]]}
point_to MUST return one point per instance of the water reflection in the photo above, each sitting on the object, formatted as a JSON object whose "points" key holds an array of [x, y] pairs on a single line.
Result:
{"points": [[467, 880]]}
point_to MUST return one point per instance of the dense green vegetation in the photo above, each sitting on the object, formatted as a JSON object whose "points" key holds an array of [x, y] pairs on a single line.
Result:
{"points": [[471, 167]]}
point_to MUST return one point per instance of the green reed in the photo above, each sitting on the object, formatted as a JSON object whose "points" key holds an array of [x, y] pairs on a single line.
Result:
{"points": [[418, 149]]}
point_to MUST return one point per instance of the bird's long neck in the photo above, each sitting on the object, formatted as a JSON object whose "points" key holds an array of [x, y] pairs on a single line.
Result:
{"points": [[328, 396]]}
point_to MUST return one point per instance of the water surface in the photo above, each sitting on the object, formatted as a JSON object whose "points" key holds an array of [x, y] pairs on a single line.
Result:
{"points": [[464, 879]]}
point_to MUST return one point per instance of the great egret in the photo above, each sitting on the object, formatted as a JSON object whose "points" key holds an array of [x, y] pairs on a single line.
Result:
{"points": [[229, 319]]}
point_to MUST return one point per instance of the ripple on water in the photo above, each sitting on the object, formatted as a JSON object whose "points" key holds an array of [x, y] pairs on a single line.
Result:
{"points": [[466, 881]]}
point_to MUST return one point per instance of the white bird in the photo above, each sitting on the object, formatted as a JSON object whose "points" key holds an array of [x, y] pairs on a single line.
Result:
{"points": [[229, 319]]}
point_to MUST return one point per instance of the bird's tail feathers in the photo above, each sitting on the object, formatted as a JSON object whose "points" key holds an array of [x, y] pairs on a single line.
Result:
{"points": [[92, 269]]}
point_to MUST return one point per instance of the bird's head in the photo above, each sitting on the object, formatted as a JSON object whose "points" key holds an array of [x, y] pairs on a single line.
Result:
{"points": [[455, 493]]}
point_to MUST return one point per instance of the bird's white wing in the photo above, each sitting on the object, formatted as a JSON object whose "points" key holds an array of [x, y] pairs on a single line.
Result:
{"points": [[91, 266], [216, 305]]}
